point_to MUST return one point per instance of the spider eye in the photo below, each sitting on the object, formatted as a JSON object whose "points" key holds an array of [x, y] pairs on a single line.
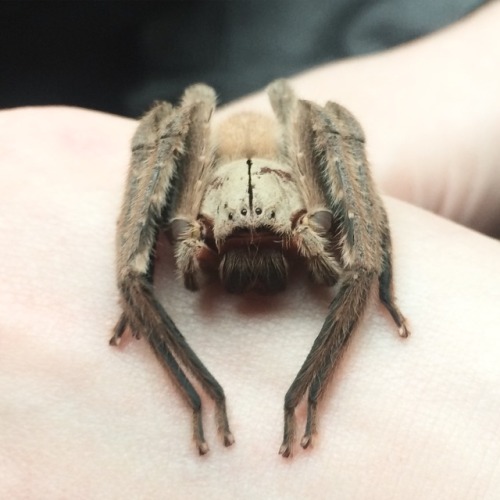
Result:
{"points": [[243, 211], [272, 215], [230, 216], [258, 211]]}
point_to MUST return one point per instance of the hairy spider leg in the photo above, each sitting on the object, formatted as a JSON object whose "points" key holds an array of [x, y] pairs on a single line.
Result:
{"points": [[158, 150], [386, 288], [326, 146], [344, 312]]}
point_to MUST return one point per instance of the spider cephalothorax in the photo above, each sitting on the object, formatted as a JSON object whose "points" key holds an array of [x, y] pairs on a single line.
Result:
{"points": [[250, 221], [242, 199]]}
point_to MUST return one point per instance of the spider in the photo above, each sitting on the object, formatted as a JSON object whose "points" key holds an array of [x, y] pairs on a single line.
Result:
{"points": [[241, 200]]}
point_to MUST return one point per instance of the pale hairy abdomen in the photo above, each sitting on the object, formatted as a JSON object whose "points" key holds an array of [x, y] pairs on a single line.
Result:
{"points": [[247, 135]]}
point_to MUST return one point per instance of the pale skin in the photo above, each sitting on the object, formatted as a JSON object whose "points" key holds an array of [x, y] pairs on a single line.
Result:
{"points": [[402, 419]]}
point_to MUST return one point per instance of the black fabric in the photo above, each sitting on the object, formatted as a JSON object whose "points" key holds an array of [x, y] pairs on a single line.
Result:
{"points": [[121, 56]]}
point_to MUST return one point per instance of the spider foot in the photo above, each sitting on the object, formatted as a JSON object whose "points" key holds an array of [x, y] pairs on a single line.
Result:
{"points": [[202, 447], [390, 304], [403, 329], [286, 449], [306, 440], [228, 438], [118, 331], [114, 340], [223, 425]]}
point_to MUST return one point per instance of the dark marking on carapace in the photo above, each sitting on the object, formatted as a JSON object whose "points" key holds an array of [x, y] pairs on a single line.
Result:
{"points": [[250, 187], [216, 183], [284, 176]]}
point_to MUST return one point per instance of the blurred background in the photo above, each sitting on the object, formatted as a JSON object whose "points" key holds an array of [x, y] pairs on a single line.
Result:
{"points": [[121, 56]]}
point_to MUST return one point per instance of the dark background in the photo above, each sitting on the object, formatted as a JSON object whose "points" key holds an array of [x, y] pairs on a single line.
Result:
{"points": [[121, 56]]}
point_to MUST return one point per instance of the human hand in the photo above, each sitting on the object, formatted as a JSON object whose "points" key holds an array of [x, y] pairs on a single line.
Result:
{"points": [[80, 419]]}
